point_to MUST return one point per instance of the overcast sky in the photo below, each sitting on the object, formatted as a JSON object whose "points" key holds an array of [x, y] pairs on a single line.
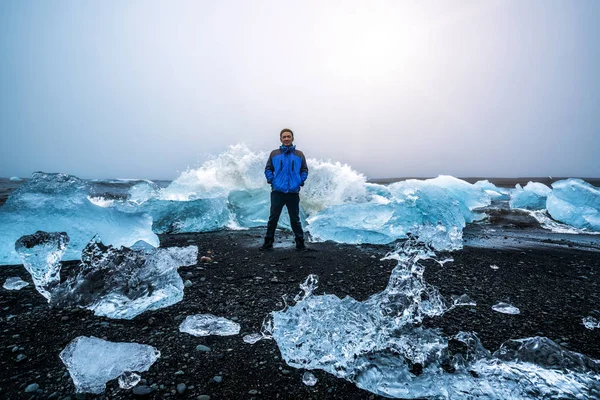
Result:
{"points": [[124, 89]]}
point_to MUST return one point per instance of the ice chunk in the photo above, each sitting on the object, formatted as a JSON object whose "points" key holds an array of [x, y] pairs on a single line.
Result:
{"points": [[129, 379], [379, 345], [531, 197], [576, 203], [16, 179], [492, 190], [506, 308], [207, 324], [250, 208], [92, 362], [41, 254], [14, 283], [309, 379], [463, 300], [59, 202], [434, 210], [253, 338], [591, 323], [116, 283]]}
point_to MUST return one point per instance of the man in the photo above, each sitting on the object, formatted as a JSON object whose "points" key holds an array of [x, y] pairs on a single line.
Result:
{"points": [[286, 171]]}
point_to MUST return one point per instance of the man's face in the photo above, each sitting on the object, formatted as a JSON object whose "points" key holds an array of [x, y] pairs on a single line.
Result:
{"points": [[286, 139]]}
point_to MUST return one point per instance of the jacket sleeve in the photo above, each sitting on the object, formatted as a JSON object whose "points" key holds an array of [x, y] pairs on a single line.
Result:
{"points": [[303, 170], [269, 169]]}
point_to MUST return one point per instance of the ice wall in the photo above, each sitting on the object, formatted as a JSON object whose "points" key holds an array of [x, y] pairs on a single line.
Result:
{"points": [[59, 203]]}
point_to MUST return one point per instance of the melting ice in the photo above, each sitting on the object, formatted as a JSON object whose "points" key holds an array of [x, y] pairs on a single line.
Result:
{"points": [[59, 203], [380, 345], [116, 283], [531, 197], [14, 283], [506, 308], [207, 325], [92, 362]]}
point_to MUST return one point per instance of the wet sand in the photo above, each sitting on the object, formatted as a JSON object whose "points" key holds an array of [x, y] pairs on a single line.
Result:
{"points": [[554, 287]]}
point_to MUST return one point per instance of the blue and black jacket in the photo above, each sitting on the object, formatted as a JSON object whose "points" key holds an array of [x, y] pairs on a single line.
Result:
{"points": [[286, 169]]}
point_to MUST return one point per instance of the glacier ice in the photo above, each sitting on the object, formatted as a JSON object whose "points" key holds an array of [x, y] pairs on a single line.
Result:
{"points": [[129, 379], [113, 282], [381, 346], [253, 338], [463, 300], [531, 197], [591, 322], [207, 325], [92, 362], [492, 190], [309, 379], [59, 203], [16, 179], [506, 308], [576, 203], [41, 254], [14, 283], [434, 210]]}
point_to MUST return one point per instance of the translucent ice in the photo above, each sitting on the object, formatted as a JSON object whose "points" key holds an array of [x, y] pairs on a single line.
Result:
{"points": [[380, 345], [41, 254], [492, 190], [16, 179], [59, 202], [505, 308], [92, 362], [14, 283], [129, 379], [309, 379], [576, 203], [253, 338], [531, 197], [591, 323], [207, 324], [463, 300], [116, 283]]}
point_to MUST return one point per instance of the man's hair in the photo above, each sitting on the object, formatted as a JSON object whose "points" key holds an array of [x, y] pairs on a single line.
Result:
{"points": [[286, 130]]}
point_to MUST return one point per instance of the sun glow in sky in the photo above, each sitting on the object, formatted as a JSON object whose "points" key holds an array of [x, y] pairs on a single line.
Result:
{"points": [[394, 88]]}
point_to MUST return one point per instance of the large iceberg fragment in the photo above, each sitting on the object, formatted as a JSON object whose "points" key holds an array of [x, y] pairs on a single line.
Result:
{"points": [[492, 190], [14, 283], [92, 362], [531, 197], [576, 203], [59, 202], [380, 345], [207, 325], [116, 283], [434, 210]]}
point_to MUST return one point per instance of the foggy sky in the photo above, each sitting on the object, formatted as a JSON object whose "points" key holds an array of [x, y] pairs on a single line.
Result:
{"points": [[144, 89]]}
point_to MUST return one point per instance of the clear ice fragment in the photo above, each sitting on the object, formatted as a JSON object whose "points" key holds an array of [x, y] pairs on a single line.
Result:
{"points": [[14, 283], [129, 379], [506, 308], [253, 338], [207, 325], [92, 362], [591, 323], [309, 379], [463, 300]]}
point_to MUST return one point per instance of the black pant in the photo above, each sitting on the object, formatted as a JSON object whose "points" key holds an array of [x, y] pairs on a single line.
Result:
{"points": [[292, 202]]}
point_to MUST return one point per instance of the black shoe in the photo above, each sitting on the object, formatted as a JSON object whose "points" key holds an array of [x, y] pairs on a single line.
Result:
{"points": [[267, 245], [300, 245]]}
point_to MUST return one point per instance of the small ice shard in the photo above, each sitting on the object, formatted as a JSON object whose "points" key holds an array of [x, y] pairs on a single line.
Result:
{"points": [[591, 323], [14, 283], [41, 254], [506, 308], [531, 197], [576, 203], [129, 379], [92, 362], [494, 267], [463, 300], [16, 179], [207, 324], [116, 283], [253, 338], [309, 379]]}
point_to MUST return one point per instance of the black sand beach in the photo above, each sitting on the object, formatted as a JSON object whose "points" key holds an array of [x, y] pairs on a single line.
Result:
{"points": [[554, 287]]}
